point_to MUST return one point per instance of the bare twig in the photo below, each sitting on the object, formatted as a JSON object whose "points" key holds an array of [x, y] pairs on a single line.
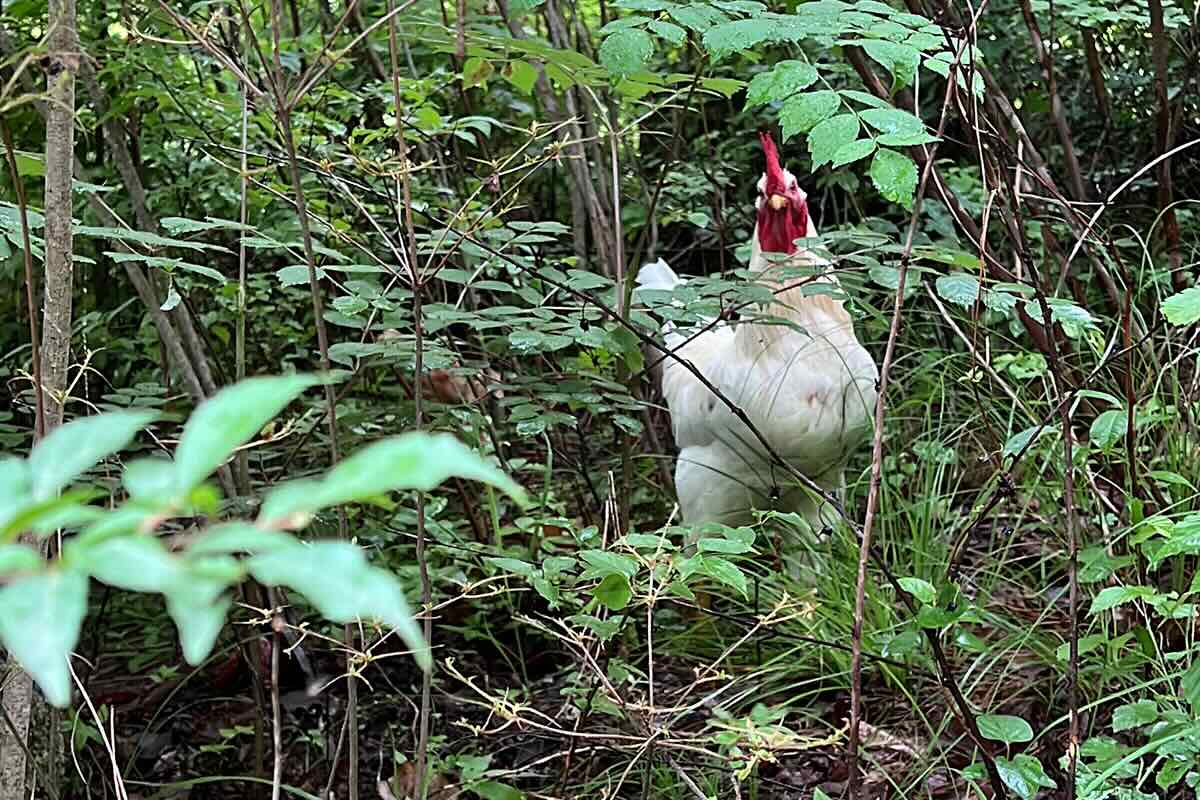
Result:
{"points": [[39, 429]]}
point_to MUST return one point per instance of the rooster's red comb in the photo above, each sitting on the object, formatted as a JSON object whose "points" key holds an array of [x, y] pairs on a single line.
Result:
{"points": [[774, 169]]}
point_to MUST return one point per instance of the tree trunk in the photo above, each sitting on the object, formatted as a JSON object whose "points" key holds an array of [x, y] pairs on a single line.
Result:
{"points": [[18, 695]]}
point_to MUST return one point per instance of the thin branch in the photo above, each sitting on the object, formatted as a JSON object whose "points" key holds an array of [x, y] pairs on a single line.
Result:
{"points": [[39, 429]]}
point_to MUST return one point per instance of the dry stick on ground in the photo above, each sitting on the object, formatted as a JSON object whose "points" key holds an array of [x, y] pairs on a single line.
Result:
{"points": [[860, 588]]}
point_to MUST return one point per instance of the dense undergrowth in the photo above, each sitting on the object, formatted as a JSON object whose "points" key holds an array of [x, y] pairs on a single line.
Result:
{"points": [[1047, 341]]}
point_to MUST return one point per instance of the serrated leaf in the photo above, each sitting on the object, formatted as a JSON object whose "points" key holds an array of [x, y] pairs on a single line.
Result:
{"points": [[958, 288], [626, 51], [71, 449], [898, 59], [895, 176], [1182, 308], [697, 17], [732, 37], [848, 154], [826, 138], [803, 112], [40, 616], [614, 591], [897, 128], [1134, 715], [781, 81], [1004, 728], [228, 420], [668, 31]]}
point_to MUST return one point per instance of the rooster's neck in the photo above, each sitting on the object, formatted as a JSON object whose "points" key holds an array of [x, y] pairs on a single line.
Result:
{"points": [[789, 284]]}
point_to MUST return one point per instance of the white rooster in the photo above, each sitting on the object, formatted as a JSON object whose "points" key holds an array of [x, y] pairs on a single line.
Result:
{"points": [[808, 386]]}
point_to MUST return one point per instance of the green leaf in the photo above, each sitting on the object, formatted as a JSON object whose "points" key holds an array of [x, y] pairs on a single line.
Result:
{"points": [[899, 59], [668, 31], [239, 537], [138, 563], [626, 51], [412, 461], [921, 589], [849, 153], [826, 138], [16, 558], [1004, 728], [895, 176], [614, 592], [897, 127], [228, 420], [199, 625], [742, 34], [1061, 311], [728, 546], [602, 564], [724, 571], [1115, 596], [168, 264], [1024, 775], [1183, 539], [150, 479], [1171, 772], [697, 17], [1018, 441], [15, 489], [1189, 685], [40, 617], [801, 113], [475, 72], [1183, 308], [494, 790], [72, 448], [521, 75], [338, 581], [958, 288], [1108, 428], [1134, 715], [781, 81]]}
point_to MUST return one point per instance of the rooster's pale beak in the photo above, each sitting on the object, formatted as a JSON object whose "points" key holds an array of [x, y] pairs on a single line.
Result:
{"points": [[777, 202]]}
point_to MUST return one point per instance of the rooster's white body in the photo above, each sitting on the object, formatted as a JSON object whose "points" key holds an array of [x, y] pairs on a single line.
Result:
{"points": [[808, 387]]}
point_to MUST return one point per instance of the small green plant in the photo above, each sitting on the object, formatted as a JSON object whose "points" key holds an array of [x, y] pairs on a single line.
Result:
{"points": [[43, 603]]}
